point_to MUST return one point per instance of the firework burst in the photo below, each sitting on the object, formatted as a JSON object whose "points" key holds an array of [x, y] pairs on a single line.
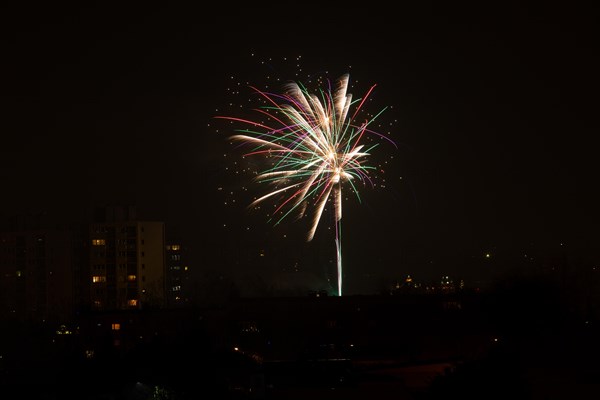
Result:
{"points": [[315, 146]]}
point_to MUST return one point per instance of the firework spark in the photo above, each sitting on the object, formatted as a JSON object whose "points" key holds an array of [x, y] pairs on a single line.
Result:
{"points": [[314, 145]]}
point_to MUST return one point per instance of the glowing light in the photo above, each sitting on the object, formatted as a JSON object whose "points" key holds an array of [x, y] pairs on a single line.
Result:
{"points": [[314, 147]]}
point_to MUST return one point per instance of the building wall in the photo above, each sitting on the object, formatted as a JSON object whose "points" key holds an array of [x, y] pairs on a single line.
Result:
{"points": [[152, 268], [36, 274], [127, 265], [177, 276]]}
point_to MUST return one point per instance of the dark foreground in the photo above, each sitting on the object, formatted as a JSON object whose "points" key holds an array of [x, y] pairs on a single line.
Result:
{"points": [[375, 347]]}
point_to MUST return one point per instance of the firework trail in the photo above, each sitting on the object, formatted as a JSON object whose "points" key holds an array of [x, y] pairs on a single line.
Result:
{"points": [[314, 145]]}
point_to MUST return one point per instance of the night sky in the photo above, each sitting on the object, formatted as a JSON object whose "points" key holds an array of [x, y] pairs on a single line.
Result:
{"points": [[494, 112]]}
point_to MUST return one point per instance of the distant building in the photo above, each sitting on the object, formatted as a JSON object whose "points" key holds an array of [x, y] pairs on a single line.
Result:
{"points": [[39, 267], [54, 272], [408, 285], [177, 275], [126, 261]]}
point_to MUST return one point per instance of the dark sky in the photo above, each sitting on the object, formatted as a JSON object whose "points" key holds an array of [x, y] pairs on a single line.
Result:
{"points": [[495, 114]]}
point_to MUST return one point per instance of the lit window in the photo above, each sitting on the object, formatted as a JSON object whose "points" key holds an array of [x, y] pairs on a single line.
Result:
{"points": [[98, 242], [131, 278], [115, 327], [98, 279], [63, 330]]}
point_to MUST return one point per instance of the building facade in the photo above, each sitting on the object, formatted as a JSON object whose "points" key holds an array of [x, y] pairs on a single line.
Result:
{"points": [[39, 267], [127, 265], [126, 262], [178, 275]]}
